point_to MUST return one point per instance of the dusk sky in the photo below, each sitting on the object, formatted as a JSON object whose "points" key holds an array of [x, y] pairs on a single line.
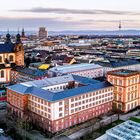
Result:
{"points": [[69, 14]]}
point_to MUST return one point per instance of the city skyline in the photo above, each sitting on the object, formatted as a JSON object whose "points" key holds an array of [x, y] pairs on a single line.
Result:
{"points": [[70, 15]]}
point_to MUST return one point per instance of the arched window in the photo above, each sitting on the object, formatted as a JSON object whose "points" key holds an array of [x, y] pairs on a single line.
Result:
{"points": [[11, 58], [0, 58], [2, 74], [19, 48]]}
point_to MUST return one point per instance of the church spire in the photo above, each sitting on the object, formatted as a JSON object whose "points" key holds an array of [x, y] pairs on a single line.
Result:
{"points": [[8, 37], [18, 40], [23, 33]]}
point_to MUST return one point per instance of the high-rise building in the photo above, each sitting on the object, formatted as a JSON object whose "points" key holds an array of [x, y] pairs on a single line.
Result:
{"points": [[126, 89], [42, 32]]}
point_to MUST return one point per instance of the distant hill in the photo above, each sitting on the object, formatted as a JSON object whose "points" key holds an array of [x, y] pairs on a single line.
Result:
{"points": [[83, 32], [95, 32]]}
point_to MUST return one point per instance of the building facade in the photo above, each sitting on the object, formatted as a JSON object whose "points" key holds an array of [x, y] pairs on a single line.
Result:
{"points": [[11, 54], [85, 70], [61, 102], [42, 32], [23, 74], [126, 89], [2, 98], [118, 65]]}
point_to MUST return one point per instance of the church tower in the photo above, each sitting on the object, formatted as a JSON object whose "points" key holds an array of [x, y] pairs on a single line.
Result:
{"points": [[19, 51], [23, 33]]}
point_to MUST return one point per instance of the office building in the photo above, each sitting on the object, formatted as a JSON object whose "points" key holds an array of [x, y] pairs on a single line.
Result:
{"points": [[60, 102]]}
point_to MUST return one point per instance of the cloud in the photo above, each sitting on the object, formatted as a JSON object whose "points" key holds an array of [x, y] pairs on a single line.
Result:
{"points": [[34, 23], [57, 23], [76, 11]]}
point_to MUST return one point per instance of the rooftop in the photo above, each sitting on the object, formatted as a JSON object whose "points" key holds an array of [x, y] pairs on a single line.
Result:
{"points": [[78, 44], [29, 71], [7, 48], [75, 67], [118, 63], [128, 130], [123, 73], [35, 87]]}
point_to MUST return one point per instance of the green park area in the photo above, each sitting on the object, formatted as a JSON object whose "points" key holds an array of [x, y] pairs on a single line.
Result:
{"points": [[135, 119]]}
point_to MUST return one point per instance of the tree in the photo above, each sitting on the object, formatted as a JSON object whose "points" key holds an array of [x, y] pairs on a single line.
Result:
{"points": [[27, 61], [33, 59]]}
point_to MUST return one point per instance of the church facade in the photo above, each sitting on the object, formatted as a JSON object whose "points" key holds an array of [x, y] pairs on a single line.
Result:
{"points": [[11, 55]]}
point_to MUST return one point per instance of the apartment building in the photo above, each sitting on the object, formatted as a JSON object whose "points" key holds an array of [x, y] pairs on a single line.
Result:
{"points": [[126, 89]]}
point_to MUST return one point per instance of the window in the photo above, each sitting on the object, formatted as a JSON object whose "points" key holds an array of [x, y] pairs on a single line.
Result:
{"points": [[128, 107], [135, 80], [60, 103], [132, 96], [45, 108], [119, 106], [72, 105], [60, 109], [60, 114], [19, 48], [72, 100], [2, 74], [72, 111], [49, 110], [49, 116], [49, 104], [11, 58], [120, 82], [115, 81], [0, 58]]}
